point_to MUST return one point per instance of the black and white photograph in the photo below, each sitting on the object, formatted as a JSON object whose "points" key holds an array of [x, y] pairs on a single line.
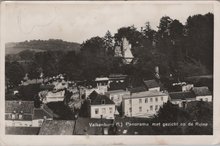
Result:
{"points": [[108, 68]]}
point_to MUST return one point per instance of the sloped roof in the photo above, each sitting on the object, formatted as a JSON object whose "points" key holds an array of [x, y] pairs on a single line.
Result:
{"points": [[181, 95], [116, 91], [137, 89], [97, 100], [151, 83], [18, 106], [57, 127], [201, 91], [40, 113]]}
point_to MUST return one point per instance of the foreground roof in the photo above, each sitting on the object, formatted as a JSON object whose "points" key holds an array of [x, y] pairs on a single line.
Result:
{"points": [[18, 106], [57, 127], [22, 130]]}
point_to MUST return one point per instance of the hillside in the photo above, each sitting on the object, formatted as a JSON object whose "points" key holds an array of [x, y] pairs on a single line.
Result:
{"points": [[41, 45]]}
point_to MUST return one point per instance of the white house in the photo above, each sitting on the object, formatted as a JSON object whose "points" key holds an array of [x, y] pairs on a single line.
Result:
{"points": [[182, 98], [101, 107], [143, 104], [102, 84], [202, 93], [152, 85], [116, 96], [54, 96]]}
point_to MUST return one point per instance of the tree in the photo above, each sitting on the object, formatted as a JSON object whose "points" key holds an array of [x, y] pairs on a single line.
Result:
{"points": [[34, 71], [109, 44], [14, 72]]}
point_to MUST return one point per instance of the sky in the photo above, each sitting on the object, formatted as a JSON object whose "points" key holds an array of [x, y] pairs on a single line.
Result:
{"points": [[79, 21]]}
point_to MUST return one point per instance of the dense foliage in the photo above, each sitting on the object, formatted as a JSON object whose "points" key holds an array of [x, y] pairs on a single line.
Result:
{"points": [[186, 49]]}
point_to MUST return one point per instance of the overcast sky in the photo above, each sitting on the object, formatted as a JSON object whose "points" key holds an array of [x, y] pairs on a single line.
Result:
{"points": [[81, 21]]}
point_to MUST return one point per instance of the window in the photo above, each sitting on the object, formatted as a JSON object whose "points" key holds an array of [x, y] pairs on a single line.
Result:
{"points": [[140, 109], [156, 107], [110, 110], [103, 110], [130, 109], [13, 116], [206, 99], [140, 100], [103, 101], [96, 111], [20, 116], [151, 99], [146, 100], [156, 99], [161, 98], [151, 107], [130, 101]]}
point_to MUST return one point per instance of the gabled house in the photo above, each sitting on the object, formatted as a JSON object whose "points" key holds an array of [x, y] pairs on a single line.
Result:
{"points": [[152, 85], [143, 104], [24, 114], [18, 113], [116, 95], [202, 93], [101, 106], [182, 98], [57, 127]]}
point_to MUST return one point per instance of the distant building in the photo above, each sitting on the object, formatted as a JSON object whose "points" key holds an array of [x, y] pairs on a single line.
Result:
{"points": [[152, 85], [24, 114], [202, 93], [101, 106], [116, 96], [117, 82], [143, 104], [181, 98], [57, 127], [54, 96], [102, 84], [123, 50]]}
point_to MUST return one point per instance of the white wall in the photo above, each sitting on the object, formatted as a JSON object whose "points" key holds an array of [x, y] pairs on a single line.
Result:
{"points": [[154, 89], [207, 98], [143, 109], [18, 123], [100, 108], [117, 97]]}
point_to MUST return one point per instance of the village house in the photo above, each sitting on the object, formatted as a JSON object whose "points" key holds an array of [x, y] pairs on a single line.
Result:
{"points": [[116, 95], [152, 85], [54, 96], [101, 106], [24, 114], [102, 84], [182, 98], [202, 93], [143, 104]]}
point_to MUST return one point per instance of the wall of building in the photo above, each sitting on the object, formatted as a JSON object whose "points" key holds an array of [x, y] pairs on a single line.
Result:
{"points": [[18, 123], [154, 89], [117, 97], [207, 98], [107, 111], [143, 107]]}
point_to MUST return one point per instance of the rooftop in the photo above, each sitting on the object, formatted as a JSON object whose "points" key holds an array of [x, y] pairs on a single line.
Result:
{"points": [[57, 127], [18, 106], [97, 99], [116, 91], [201, 91], [22, 130], [151, 83], [145, 94], [181, 95]]}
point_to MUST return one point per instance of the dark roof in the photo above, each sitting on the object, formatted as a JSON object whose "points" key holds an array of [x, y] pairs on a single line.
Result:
{"points": [[201, 91], [22, 130], [181, 95], [57, 127], [151, 83], [40, 113], [18, 106], [97, 100], [137, 89]]}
